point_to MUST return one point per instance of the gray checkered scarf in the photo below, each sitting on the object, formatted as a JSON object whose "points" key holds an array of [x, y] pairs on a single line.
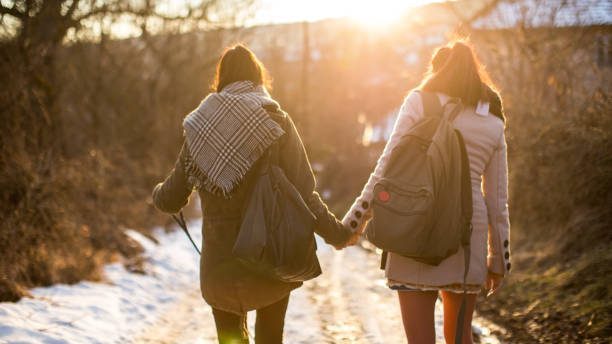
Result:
{"points": [[226, 134]]}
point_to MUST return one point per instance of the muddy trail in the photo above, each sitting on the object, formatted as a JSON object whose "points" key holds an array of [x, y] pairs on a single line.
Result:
{"points": [[349, 303]]}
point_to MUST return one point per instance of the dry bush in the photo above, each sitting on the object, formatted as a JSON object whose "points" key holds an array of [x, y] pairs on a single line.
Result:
{"points": [[88, 126], [555, 85], [64, 209], [61, 219], [558, 103]]}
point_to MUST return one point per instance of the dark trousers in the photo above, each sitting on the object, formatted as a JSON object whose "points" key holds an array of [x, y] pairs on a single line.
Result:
{"points": [[232, 328]]}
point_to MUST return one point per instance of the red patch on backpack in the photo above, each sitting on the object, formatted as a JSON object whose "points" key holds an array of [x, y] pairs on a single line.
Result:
{"points": [[384, 196]]}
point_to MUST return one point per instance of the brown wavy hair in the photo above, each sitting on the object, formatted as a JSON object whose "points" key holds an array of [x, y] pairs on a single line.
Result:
{"points": [[438, 60], [456, 71], [239, 63]]}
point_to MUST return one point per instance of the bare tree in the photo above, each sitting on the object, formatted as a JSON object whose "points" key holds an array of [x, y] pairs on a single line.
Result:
{"points": [[43, 25], [550, 62], [85, 123]]}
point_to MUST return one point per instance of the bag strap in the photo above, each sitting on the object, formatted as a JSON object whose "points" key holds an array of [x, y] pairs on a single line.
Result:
{"points": [[274, 153], [466, 190], [462, 309], [180, 219], [383, 260], [455, 111], [433, 108], [431, 104], [466, 216]]}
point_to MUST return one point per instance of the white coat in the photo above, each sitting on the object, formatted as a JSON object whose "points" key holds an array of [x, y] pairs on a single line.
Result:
{"points": [[486, 147]]}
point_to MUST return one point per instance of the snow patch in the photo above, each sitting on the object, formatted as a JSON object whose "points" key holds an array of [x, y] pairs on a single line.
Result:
{"points": [[109, 312]]}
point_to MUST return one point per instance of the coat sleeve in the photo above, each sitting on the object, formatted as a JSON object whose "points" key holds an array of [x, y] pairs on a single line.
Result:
{"points": [[294, 162], [172, 194], [360, 212], [495, 186]]}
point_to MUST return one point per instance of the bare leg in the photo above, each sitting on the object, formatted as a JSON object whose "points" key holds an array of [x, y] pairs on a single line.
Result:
{"points": [[452, 303], [418, 315]]}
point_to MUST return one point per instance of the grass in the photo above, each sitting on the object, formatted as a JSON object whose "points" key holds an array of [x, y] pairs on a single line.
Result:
{"points": [[555, 296]]}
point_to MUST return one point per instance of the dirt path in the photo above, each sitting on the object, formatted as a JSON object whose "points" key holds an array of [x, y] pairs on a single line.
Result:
{"points": [[349, 303]]}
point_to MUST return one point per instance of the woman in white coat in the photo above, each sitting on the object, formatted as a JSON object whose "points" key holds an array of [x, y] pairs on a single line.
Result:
{"points": [[457, 73]]}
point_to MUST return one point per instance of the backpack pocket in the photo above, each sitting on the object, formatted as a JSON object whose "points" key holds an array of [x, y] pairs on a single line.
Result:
{"points": [[408, 200], [401, 218]]}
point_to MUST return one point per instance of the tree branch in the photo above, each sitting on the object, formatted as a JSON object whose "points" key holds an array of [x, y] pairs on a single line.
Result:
{"points": [[488, 7], [142, 13], [12, 12], [484, 10], [73, 6]]}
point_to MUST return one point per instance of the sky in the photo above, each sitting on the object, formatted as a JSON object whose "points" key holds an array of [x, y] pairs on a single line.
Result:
{"points": [[377, 12]]}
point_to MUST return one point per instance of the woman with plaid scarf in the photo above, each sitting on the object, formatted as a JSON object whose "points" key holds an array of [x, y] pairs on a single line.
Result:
{"points": [[224, 139]]}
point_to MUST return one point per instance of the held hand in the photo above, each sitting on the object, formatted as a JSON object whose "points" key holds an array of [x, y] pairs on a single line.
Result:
{"points": [[356, 232], [353, 239], [494, 282]]}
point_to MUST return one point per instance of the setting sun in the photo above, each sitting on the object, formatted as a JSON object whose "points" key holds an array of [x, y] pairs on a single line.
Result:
{"points": [[379, 16]]}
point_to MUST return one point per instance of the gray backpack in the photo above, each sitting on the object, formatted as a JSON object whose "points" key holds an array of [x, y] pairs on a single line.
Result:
{"points": [[422, 207]]}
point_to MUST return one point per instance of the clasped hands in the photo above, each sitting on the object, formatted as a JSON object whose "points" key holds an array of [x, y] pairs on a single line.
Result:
{"points": [[352, 239]]}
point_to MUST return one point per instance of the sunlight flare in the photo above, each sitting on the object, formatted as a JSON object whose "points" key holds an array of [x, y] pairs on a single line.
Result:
{"points": [[380, 14], [372, 14]]}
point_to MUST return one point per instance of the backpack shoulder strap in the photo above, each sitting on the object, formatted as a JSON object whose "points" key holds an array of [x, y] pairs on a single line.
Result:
{"points": [[433, 108], [281, 118], [466, 212], [431, 104]]}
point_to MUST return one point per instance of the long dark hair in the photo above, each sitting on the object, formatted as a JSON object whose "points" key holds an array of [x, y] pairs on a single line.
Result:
{"points": [[456, 71], [439, 59], [239, 63]]}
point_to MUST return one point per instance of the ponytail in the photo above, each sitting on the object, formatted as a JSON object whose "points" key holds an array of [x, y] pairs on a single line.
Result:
{"points": [[457, 72]]}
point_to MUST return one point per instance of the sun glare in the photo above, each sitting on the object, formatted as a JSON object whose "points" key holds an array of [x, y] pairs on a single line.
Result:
{"points": [[372, 14], [381, 14]]}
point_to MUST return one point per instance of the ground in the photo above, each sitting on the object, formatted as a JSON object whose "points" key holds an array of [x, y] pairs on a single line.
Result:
{"points": [[349, 303]]}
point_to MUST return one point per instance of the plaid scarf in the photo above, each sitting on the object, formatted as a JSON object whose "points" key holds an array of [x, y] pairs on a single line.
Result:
{"points": [[226, 134]]}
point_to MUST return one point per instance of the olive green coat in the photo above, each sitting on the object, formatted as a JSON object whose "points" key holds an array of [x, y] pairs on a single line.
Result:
{"points": [[225, 283]]}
